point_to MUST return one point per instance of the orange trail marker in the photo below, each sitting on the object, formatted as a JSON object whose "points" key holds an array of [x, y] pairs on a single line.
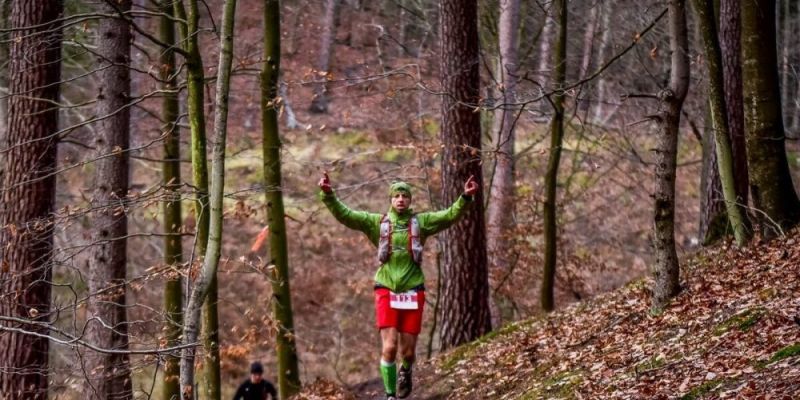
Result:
{"points": [[262, 236]]}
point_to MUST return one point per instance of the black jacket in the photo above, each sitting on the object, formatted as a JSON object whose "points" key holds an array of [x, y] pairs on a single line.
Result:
{"points": [[252, 391]]}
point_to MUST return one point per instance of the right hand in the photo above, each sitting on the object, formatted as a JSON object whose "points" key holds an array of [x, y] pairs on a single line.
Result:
{"points": [[325, 183]]}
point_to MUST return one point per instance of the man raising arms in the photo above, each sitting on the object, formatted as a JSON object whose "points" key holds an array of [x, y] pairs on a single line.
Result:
{"points": [[399, 236]]}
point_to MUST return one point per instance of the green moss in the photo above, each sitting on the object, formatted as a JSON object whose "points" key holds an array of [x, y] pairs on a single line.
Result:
{"points": [[704, 389], [741, 321], [559, 386], [652, 363], [786, 352], [395, 155]]}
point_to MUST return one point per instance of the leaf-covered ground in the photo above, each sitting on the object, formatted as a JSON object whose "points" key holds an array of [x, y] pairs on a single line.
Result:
{"points": [[734, 332]]}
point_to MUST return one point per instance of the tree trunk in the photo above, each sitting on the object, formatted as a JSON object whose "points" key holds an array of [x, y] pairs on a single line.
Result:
{"points": [[605, 42], [5, 13], [107, 327], [737, 215], [586, 57], [288, 374], [551, 176], [667, 270], [771, 186], [210, 217], [173, 249], [730, 32], [465, 287], [319, 104], [28, 195], [713, 218], [500, 218]]}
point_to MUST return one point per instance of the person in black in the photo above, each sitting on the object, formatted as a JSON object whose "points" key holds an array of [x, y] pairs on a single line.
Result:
{"points": [[256, 387]]}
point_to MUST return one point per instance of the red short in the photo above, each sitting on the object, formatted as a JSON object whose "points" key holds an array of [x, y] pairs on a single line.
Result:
{"points": [[406, 321]]}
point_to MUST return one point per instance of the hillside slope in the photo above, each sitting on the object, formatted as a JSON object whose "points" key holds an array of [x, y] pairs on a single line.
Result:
{"points": [[734, 332]]}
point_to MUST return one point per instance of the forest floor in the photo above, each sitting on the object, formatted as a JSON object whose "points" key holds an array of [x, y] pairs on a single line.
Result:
{"points": [[733, 332]]}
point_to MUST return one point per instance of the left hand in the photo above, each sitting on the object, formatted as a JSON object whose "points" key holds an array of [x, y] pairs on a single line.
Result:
{"points": [[471, 187]]}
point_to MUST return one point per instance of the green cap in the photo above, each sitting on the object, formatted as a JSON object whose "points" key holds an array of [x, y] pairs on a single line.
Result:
{"points": [[399, 186]]}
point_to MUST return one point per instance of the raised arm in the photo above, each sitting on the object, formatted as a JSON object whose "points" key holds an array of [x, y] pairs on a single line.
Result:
{"points": [[434, 222], [359, 220]]}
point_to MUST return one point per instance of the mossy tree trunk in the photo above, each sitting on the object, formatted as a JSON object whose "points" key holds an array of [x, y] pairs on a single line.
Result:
{"points": [[173, 249], [206, 279], [554, 160], [771, 185], [288, 373], [736, 212], [666, 270]]}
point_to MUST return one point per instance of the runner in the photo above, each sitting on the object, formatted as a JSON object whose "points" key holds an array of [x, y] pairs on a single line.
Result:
{"points": [[399, 283], [256, 387]]}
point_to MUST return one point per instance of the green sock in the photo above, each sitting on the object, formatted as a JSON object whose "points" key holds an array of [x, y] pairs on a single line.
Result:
{"points": [[389, 375]]}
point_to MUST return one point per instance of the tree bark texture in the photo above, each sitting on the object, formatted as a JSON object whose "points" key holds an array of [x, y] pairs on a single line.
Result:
{"points": [[5, 13], [730, 33], [666, 270], [208, 272], [713, 218], [173, 249], [500, 211], [599, 115], [319, 103], [288, 373], [771, 185], [107, 327], [737, 215], [28, 195], [465, 287], [554, 160]]}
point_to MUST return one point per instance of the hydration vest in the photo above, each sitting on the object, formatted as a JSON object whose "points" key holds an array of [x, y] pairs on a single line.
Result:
{"points": [[414, 246]]}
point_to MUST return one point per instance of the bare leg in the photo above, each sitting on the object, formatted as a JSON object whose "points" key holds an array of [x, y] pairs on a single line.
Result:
{"points": [[389, 347], [408, 348]]}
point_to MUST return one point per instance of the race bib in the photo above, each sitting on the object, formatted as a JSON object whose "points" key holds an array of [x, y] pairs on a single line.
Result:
{"points": [[403, 301]]}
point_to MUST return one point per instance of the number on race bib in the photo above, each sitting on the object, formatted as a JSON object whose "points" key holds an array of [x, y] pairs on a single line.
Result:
{"points": [[404, 301]]}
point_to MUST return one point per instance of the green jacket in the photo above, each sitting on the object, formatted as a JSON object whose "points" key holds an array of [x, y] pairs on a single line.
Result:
{"points": [[400, 273]]}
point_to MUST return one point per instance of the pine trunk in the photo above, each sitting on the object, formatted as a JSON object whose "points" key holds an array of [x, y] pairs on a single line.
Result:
{"points": [[465, 286], [206, 281], [771, 185], [28, 196], [737, 215], [107, 327], [288, 373], [554, 160], [713, 218], [666, 270], [173, 249], [500, 211], [319, 104], [730, 33]]}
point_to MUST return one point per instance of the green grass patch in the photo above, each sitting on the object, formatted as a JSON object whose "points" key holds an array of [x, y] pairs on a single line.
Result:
{"points": [[742, 321], [650, 364], [704, 389], [559, 386], [784, 353]]}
